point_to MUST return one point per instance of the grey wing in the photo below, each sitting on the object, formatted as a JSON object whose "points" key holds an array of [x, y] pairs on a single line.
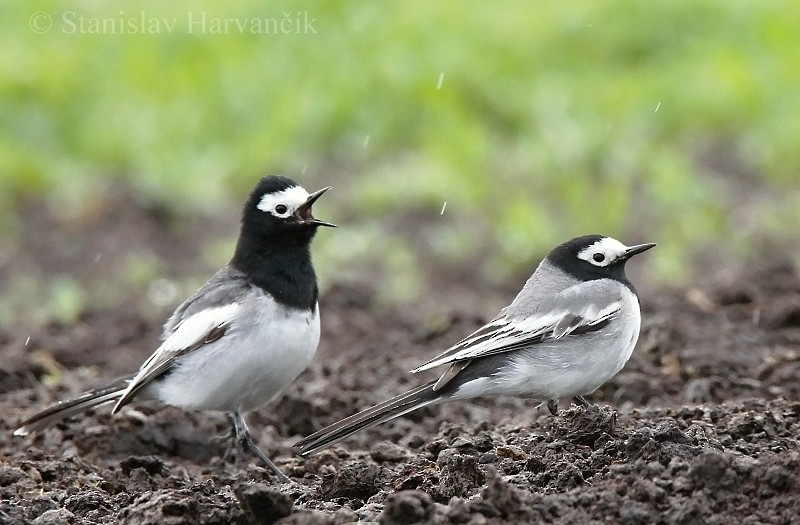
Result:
{"points": [[483, 334], [578, 309], [203, 319], [223, 288]]}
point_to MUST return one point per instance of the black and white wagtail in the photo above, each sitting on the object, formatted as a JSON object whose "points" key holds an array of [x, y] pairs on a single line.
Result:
{"points": [[245, 335], [571, 329]]}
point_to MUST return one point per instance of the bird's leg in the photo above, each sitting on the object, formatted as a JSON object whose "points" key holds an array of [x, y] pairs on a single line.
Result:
{"points": [[230, 439], [552, 406], [583, 401], [243, 436]]}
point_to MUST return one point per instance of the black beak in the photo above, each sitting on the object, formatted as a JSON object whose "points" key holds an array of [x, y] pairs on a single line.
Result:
{"points": [[303, 213], [639, 248]]}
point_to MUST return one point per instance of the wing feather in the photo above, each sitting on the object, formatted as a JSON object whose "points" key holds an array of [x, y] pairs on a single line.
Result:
{"points": [[196, 331], [568, 312]]}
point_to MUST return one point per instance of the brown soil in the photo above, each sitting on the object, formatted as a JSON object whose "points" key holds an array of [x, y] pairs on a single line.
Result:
{"points": [[701, 426]]}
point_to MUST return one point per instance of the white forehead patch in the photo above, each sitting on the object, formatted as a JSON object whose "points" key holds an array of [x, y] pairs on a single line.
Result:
{"points": [[291, 198], [609, 248]]}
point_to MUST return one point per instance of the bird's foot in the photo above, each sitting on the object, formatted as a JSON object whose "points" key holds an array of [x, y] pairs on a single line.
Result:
{"points": [[243, 437], [229, 441]]}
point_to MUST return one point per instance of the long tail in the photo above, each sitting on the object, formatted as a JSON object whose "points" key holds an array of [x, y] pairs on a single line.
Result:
{"points": [[395, 407], [70, 407]]}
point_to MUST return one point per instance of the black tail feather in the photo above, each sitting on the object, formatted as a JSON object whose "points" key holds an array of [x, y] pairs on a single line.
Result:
{"points": [[395, 407], [70, 407]]}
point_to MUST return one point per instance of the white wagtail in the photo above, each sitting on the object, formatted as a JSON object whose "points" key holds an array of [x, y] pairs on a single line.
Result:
{"points": [[571, 329], [245, 335]]}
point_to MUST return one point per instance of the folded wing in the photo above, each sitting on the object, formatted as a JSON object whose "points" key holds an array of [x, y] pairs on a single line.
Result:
{"points": [[580, 308], [193, 332]]}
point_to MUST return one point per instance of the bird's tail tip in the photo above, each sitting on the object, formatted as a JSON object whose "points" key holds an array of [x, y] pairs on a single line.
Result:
{"points": [[390, 409], [70, 407]]}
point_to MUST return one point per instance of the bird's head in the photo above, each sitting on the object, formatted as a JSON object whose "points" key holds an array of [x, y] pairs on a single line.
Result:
{"points": [[595, 257], [279, 207]]}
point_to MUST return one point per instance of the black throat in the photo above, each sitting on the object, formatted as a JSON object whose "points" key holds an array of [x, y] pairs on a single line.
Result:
{"points": [[280, 264]]}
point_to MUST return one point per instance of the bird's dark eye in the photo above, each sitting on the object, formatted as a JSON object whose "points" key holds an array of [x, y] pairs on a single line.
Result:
{"points": [[280, 209], [599, 257]]}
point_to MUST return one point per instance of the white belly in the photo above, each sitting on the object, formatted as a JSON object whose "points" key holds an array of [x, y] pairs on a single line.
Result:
{"points": [[250, 365], [577, 365]]}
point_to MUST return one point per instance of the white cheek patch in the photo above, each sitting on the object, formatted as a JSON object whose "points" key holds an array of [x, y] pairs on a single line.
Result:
{"points": [[292, 198], [609, 247]]}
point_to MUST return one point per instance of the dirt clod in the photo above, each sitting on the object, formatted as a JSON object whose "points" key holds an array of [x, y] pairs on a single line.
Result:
{"points": [[407, 507], [263, 504], [151, 464], [195, 505], [584, 426], [458, 473], [54, 517], [353, 480]]}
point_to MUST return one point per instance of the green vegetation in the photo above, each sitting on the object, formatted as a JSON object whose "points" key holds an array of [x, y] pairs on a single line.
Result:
{"points": [[668, 121]]}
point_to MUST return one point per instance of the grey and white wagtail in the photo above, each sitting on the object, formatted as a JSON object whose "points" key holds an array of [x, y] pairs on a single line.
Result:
{"points": [[571, 329], [245, 335]]}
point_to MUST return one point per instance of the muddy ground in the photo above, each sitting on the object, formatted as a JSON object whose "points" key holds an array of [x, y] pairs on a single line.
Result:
{"points": [[701, 426]]}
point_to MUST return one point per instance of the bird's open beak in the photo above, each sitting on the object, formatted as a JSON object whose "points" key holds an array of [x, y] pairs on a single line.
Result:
{"points": [[639, 248], [303, 213]]}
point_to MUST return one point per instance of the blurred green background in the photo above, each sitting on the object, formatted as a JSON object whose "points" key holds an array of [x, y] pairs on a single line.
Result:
{"points": [[671, 121]]}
